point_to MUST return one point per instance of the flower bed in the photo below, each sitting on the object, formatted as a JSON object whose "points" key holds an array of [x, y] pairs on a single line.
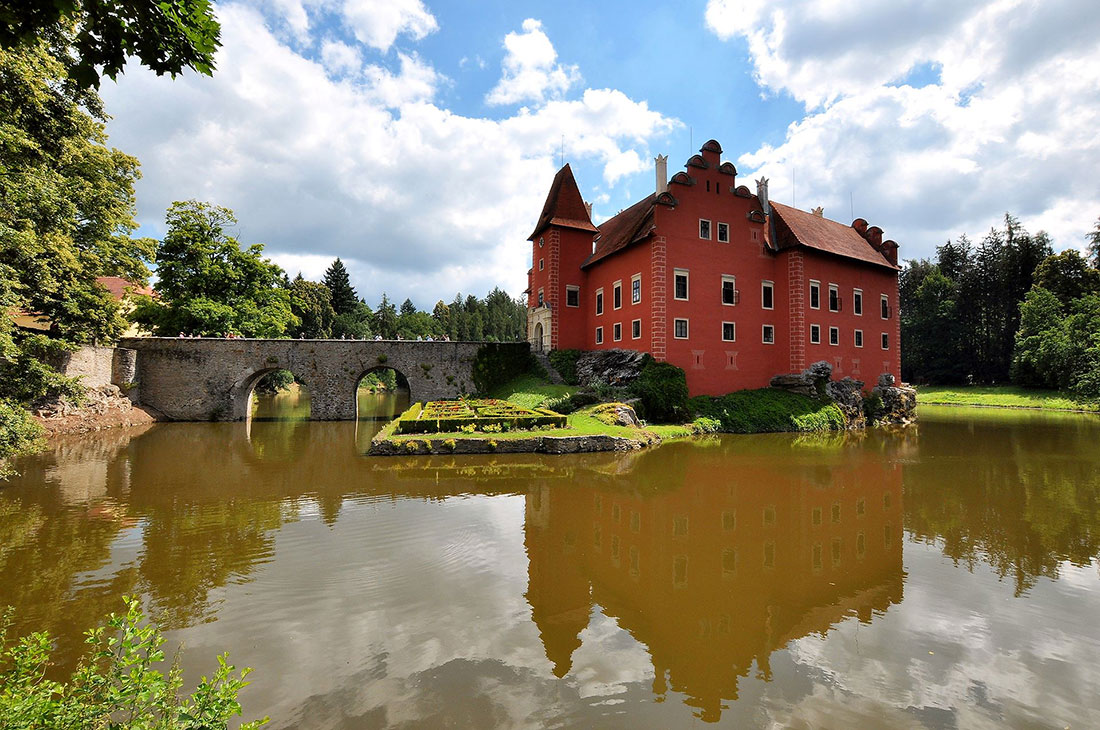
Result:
{"points": [[475, 415]]}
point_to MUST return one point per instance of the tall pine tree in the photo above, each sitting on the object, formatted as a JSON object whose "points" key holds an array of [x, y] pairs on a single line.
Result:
{"points": [[344, 298]]}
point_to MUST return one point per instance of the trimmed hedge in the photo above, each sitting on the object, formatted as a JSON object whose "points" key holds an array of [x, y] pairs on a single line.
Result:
{"points": [[451, 416], [565, 362], [768, 410], [662, 388]]}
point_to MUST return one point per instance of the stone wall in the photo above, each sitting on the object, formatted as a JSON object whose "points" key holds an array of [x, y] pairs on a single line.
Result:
{"points": [[97, 366], [212, 379]]}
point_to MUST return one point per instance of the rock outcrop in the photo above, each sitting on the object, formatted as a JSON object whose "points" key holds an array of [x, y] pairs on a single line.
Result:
{"points": [[893, 403], [614, 367], [888, 403]]}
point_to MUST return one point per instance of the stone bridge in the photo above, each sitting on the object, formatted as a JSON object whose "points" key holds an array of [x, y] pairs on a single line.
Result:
{"points": [[212, 379]]}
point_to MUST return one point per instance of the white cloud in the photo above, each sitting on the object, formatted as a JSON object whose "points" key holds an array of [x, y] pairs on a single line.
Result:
{"points": [[377, 23], [531, 71], [319, 161], [1005, 122]]}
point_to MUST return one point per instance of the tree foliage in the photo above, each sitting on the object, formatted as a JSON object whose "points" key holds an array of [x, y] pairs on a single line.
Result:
{"points": [[311, 304], [344, 298], [117, 684], [1067, 276], [208, 285], [95, 37]]}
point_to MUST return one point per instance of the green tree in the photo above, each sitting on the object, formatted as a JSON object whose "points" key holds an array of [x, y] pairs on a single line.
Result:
{"points": [[344, 298], [407, 307], [208, 285], [1094, 244], [95, 37], [385, 318], [1068, 276], [442, 316], [311, 303], [1042, 355], [356, 324], [931, 331]]}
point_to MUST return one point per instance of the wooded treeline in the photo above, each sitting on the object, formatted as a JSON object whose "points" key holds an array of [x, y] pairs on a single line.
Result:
{"points": [[1004, 310]]}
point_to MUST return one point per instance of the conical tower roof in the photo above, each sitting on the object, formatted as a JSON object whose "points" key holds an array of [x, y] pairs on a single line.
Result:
{"points": [[564, 206]]}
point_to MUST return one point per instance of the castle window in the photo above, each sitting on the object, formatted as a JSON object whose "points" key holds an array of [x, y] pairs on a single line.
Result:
{"points": [[815, 334], [885, 341], [542, 264], [704, 229], [729, 332], [540, 241], [755, 235], [680, 329], [857, 302], [680, 284], [636, 289], [767, 295], [636, 329], [599, 301], [540, 298], [617, 295], [815, 295], [723, 232], [599, 335], [834, 336], [768, 335], [572, 296], [729, 290], [859, 338], [884, 305], [617, 331], [834, 298]]}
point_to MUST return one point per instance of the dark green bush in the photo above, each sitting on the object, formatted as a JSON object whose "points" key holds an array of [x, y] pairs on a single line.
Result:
{"points": [[19, 433], [565, 362], [497, 363], [768, 410], [662, 388]]}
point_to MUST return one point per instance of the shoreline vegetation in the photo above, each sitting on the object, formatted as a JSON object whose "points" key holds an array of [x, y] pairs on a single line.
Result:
{"points": [[1002, 396]]}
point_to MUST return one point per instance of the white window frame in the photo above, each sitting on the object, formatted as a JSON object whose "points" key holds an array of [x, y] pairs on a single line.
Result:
{"points": [[767, 284], [718, 232], [834, 341], [617, 332], [687, 285], [599, 335], [884, 299], [815, 285], [572, 288], [542, 298], [639, 329], [857, 338], [733, 325], [834, 288], [617, 288], [815, 334], [733, 280], [542, 264], [599, 302], [765, 328], [884, 340], [857, 296], [709, 229], [636, 278], [687, 328]]}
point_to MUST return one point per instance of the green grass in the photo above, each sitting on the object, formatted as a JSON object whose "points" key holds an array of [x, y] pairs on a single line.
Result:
{"points": [[1000, 396], [768, 410], [531, 391]]}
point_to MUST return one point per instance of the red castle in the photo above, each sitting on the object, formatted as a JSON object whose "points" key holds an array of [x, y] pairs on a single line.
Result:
{"points": [[732, 287]]}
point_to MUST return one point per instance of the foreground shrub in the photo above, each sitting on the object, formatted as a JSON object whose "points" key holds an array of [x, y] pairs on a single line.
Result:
{"points": [[115, 685], [662, 388], [768, 410], [565, 362], [496, 364], [19, 434]]}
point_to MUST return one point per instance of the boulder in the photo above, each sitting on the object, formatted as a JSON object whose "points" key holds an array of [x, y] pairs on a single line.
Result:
{"points": [[618, 368], [895, 404], [810, 382], [617, 414], [886, 380], [848, 396]]}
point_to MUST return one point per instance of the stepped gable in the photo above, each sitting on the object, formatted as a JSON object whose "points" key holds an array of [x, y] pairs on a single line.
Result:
{"points": [[796, 227], [629, 226], [564, 206]]}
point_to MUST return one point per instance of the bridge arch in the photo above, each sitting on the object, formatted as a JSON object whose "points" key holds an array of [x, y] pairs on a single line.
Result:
{"points": [[242, 392], [394, 395]]}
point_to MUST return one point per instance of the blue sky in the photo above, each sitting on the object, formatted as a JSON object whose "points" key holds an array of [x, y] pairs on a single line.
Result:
{"points": [[416, 139]]}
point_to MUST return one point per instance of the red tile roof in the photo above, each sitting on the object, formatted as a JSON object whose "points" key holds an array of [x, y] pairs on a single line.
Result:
{"points": [[627, 227], [822, 234], [120, 287], [564, 205]]}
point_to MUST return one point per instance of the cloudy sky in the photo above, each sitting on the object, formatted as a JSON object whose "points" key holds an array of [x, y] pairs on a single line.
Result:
{"points": [[416, 139]]}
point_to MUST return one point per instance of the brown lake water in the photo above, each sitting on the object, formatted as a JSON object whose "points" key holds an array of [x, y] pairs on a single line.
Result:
{"points": [[941, 576]]}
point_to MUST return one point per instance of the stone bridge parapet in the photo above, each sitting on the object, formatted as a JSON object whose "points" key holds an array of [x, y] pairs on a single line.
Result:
{"points": [[204, 379]]}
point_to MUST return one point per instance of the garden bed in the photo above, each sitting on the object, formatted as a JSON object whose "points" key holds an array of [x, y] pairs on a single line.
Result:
{"points": [[488, 415]]}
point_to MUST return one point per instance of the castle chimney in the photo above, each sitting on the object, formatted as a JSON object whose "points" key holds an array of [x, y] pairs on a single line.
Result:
{"points": [[588, 209], [819, 211], [762, 193], [662, 173]]}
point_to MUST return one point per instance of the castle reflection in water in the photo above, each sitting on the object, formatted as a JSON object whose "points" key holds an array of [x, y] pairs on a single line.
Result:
{"points": [[714, 569]]}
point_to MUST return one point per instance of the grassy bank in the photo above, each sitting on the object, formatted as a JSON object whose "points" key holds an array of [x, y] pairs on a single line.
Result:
{"points": [[1000, 396], [768, 410]]}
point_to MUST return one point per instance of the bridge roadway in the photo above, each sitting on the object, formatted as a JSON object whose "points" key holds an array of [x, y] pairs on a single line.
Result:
{"points": [[206, 379]]}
